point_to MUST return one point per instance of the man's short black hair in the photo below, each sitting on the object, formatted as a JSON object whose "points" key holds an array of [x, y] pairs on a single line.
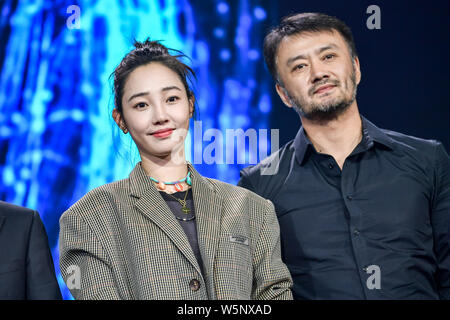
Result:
{"points": [[299, 23]]}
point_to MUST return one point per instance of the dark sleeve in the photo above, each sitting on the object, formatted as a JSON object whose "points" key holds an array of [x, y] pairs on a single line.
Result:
{"points": [[440, 219], [41, 279], [245, 181]]}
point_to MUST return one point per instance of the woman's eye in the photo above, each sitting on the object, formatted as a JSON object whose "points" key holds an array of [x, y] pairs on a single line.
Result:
{"points": [[172, 99], [140, 105]]}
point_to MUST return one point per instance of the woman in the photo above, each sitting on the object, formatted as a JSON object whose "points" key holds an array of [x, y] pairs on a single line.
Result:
{"points": [[166, 232]]}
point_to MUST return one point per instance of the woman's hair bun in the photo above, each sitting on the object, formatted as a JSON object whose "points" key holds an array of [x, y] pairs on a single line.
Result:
{"points": [[151, 47]]}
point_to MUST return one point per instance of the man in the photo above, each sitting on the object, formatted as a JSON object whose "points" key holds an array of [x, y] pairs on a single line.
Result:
{"points": [[364, 212], [26, 265]]}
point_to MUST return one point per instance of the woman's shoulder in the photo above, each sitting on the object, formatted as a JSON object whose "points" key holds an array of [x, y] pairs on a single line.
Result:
{"points": [[102, 198], [231, 191]]}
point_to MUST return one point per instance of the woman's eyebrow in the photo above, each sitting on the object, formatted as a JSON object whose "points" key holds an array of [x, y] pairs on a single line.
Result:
{"points": [[170, 88], [140, 94]]}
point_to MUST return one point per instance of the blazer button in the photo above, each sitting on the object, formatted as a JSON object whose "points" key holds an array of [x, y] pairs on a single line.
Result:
{"points": [[194, 284]]}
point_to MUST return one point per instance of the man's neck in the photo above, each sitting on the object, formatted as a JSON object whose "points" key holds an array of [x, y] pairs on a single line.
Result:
{"points": [[338, 137]]}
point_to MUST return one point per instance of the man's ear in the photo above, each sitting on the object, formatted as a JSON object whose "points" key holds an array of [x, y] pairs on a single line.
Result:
{"points": [[283, 95], [357, 70], [118, 118]]}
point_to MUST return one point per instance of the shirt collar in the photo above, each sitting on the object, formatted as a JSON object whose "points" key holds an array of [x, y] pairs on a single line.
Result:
{"points": [[375, 134], [371, 134]]}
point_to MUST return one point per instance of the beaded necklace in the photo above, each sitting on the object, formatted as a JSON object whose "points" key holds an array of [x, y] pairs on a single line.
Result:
{"points": [[161, 185], [177, 184]]}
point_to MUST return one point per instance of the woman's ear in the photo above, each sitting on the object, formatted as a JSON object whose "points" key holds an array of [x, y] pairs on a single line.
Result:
{"points": [[191, 105], [118, 118]]}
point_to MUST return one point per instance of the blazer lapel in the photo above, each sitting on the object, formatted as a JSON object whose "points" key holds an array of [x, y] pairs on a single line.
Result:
{"points": [[152, 205], [208, 211]]}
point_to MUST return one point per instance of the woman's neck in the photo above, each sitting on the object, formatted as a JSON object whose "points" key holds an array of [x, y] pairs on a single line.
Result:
{"points": [[164, 169]]}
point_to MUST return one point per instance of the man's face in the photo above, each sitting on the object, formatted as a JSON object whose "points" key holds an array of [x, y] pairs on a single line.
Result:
{"points": [[317, 74]]}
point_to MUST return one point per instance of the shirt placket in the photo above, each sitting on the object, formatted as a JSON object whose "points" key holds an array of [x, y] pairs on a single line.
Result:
{"points": [[355, 221]]}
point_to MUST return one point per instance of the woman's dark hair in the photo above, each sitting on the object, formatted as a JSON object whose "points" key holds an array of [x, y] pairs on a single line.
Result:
{"points": [[145, 53], [299, 23]]}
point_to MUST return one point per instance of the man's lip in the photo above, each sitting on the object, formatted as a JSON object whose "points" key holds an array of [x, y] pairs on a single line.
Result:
{"points": [[162, 131], [324, 87]]}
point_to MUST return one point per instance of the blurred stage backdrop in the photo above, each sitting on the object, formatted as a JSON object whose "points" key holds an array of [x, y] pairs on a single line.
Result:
{"points": [[57, 137]]}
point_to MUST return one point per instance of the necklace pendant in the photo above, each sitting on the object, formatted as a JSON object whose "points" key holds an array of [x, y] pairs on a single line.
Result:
{"points": [[178, 187], [161, 186], [186, 210]]}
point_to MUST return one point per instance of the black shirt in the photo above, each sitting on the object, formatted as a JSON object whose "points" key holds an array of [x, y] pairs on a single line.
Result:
{"points": [[388, 208], [189, 226]]}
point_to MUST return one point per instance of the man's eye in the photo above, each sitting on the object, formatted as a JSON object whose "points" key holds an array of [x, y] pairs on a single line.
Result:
{"points": [[299, 67], [329, 56], [173, 99]]}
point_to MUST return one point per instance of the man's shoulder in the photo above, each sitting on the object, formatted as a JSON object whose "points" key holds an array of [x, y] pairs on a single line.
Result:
{"points": [[266, 177], [229, 191], [271, 165], [411, 142], [8, 209], [18, 220], [422, 150]]}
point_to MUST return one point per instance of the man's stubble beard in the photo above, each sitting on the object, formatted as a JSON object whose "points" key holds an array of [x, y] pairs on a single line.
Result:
{"points": [[323, 113]]}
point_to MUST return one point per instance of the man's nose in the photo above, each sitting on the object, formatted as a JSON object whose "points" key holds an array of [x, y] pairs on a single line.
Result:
{"points": [[318, 72]]}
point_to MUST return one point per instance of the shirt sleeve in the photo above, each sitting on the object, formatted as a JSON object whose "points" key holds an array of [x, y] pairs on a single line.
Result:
{"points": [[272, 280], [85, 267], [440, 219], [41, 280], [245, 181]]}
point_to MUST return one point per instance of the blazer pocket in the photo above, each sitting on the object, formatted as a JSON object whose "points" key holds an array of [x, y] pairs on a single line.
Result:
{"points": [[237, 249], [11, 266]]}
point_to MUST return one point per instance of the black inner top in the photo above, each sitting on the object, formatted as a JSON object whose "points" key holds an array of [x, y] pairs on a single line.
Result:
{"points": [[190, 226]]}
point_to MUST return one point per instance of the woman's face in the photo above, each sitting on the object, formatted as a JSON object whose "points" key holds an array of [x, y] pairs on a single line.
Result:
{"points": [[155, 110]]}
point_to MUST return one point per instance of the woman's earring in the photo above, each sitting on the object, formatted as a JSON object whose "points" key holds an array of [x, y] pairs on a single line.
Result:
{"points": [[125, 130]]}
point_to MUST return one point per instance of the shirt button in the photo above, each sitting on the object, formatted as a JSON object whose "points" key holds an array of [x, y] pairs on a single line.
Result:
{"points": [[194, 284], [356, 232], [331, 166], [365, 269], [349, 197]]}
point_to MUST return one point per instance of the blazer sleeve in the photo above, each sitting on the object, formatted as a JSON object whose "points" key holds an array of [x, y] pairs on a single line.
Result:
{"points": [[84, 264], [272, 279], [41, 281]]}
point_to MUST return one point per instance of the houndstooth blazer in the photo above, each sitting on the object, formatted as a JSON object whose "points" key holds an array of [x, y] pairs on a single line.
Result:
{"points": [[127, 244]]}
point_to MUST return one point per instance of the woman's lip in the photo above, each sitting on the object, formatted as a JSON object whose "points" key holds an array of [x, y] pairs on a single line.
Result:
{"points": [[162, 133]]}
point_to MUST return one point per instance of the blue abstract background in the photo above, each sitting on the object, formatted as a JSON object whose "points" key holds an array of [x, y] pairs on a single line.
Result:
{"points": [[57, 137]]}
